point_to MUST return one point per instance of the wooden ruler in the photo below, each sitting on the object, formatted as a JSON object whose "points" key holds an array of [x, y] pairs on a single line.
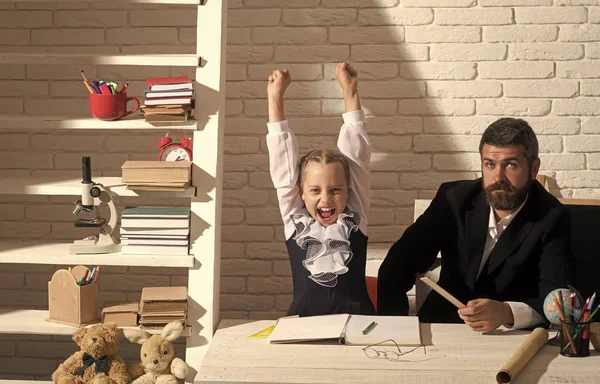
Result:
{"points": [[442, 292]]}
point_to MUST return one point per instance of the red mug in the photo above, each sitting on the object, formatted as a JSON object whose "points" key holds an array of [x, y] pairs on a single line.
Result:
{"points": [[111, 107]]}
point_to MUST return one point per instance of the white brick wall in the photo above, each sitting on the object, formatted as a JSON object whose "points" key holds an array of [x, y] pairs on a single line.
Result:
{"points": [[434, 74]]}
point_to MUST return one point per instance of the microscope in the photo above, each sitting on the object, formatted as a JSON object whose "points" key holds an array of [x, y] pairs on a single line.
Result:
{"points": [[93, 196]]}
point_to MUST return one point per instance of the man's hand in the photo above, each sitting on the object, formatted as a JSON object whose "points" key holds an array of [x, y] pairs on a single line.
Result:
{"points": [[486, 315], [347, 76], [279, 80]]}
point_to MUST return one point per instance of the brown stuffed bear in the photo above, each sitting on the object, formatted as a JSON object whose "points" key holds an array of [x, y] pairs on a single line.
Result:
{"points": [[159, 364], [97, 362]]}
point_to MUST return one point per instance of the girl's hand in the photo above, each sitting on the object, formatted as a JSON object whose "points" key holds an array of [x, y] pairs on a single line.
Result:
{"points": [[279, 80], [347, 76]]}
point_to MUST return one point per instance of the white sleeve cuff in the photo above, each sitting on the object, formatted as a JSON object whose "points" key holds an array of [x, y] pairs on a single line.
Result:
{"points": [[524, 315], [354, 116], [280, 126]]}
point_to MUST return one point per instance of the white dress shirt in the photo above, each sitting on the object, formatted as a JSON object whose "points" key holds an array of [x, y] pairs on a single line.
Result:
{"points": [[524, 316]]}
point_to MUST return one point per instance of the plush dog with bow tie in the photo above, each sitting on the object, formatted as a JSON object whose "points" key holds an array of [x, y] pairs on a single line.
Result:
{"points": [[97, 362]]}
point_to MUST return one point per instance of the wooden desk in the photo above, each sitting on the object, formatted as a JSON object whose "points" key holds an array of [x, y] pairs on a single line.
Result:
{"points": [[471, 357]]}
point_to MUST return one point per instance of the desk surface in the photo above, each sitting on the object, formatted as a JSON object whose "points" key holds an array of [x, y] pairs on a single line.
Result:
{"points": [[470, 357]]}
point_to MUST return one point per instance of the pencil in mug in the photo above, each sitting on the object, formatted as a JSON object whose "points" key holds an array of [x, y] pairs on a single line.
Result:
{"points": [[457, 303]]}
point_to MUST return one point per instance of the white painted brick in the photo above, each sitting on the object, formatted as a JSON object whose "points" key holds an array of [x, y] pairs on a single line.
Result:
{"points": [[266, 250], [468, 52], [439, 71], [520, 33], [84, 19], [21, 88], [288, 36], [384, 180], [131, 143], [516, 70], [247, 89], [297, 71], [97, 49], [253, 18], [445, 143], [590, 125], [233, 215], [11, 212], [68, 143], [245, 197], [12, 280], [23, 230], [233, 107], [394, 198], [262, 179], [516, 3], [232, 250], [431, 180], [387, 233], [231, 4], [399, 52], [550, 144], [22, 159], [315, 53], [233, 284], [367, 71], [395, 16], [128, 73], [381, 217], [236, 144], [513, 107], [258, 107], [392, 89], [282, 302], [550, 15], [281, 3], [439, 3], [68, 88], [474, 125], [8, 348], [360, 3], [235, 72], [236, 35], [59, 72], [392, 162], [582, 143], [49, 213], [233, 314], [152, 36], [234, 180], [25, 19], [554, 125], [377, 107], [245, 233], [246, 302], [102, 161], [590, 88], [243, 267], [440, 34], [467, 89], [68, 36], [319, 17], [578, 179], [403, 216], [456, 107], [187, 35], [593, 160], [14, 37], [480, 16], [594, 14], [545, 51], [462, 162], [11, 105], [12, 71], [13, 141], [562, 161], [245, 126], [395, 125], [578, 70], [583, 32], [163, 18], [263, 216], [536, 88], [365, 35], [270, 285], [584, 106], [314, 89], [25, 364], [581, 193]]}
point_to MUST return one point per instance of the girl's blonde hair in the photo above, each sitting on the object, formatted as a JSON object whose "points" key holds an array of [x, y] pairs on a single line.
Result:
{"points": [[323, 156]]}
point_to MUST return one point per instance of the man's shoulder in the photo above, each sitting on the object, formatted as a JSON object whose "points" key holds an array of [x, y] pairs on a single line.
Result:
{"points": [[544, 200], [461, 189]]}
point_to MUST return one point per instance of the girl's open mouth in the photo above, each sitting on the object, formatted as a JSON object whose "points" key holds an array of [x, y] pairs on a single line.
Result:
{"points": [[326, 214]]}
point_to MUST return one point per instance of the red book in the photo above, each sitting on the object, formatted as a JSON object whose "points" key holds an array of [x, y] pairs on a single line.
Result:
{"points": [[169, 83]]}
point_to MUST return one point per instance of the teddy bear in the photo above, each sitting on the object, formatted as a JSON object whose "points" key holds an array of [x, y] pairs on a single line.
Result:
{"points": [[97, 361], [159, 364]]}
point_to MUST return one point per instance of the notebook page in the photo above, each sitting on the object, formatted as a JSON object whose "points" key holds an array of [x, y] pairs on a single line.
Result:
{"points": [[404, 330], [311, 328]]}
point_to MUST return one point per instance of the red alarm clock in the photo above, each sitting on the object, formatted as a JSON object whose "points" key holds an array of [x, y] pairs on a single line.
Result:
{"points": [[175, 150]]}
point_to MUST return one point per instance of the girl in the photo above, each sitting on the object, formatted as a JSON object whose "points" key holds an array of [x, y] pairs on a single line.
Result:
{"points": [[324, 201]]}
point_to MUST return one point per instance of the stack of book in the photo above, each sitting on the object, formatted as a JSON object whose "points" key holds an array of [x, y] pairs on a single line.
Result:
{"points": [[161, 305], [168, 100], [157, 175], [155, 230]]}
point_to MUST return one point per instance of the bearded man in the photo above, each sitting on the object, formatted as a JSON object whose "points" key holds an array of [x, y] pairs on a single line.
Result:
{"points": [[503, 240]]}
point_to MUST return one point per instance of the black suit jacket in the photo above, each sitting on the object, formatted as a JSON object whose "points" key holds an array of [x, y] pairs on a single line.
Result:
{"points": [[530, 259]]}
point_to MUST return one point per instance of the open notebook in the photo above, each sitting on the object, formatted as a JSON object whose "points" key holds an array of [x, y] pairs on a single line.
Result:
{"points": [[347, 329]]}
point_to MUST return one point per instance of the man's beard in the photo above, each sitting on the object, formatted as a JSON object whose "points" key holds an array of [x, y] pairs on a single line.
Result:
{"points": [[508, 201]]}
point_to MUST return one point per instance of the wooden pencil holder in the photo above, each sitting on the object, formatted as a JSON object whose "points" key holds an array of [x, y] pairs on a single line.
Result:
{"points": [[70, 303]]}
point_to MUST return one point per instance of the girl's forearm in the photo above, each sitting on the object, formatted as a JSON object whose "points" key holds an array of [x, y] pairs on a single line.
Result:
{"points": [[352, 101], [276, 109]]}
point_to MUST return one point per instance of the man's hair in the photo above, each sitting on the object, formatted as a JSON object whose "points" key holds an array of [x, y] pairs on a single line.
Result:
{"points": [[323, 156], [509, 132]]}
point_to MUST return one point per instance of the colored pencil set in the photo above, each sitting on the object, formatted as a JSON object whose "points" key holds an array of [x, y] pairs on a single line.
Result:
{"points": [[89, 277], [576, 321], [101, 87]]}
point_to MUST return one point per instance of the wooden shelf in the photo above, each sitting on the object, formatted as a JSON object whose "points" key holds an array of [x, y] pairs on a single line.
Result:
{"points": [[48, 122], [33, 322], [49, 58], [31, 185], [40, 252]]}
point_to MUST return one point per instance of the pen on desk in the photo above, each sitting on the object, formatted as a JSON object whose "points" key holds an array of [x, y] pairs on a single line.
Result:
{"points": [[369, 328]]}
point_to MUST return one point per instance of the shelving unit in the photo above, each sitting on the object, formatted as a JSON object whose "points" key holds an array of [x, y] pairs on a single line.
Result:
{"points": [[205, 236]]}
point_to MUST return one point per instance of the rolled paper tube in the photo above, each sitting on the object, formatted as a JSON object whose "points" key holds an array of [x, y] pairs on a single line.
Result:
{"points": [[522, 355]]}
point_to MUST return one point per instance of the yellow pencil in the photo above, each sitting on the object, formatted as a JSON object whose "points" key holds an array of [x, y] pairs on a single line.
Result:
{"points": [[88, 87]]}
